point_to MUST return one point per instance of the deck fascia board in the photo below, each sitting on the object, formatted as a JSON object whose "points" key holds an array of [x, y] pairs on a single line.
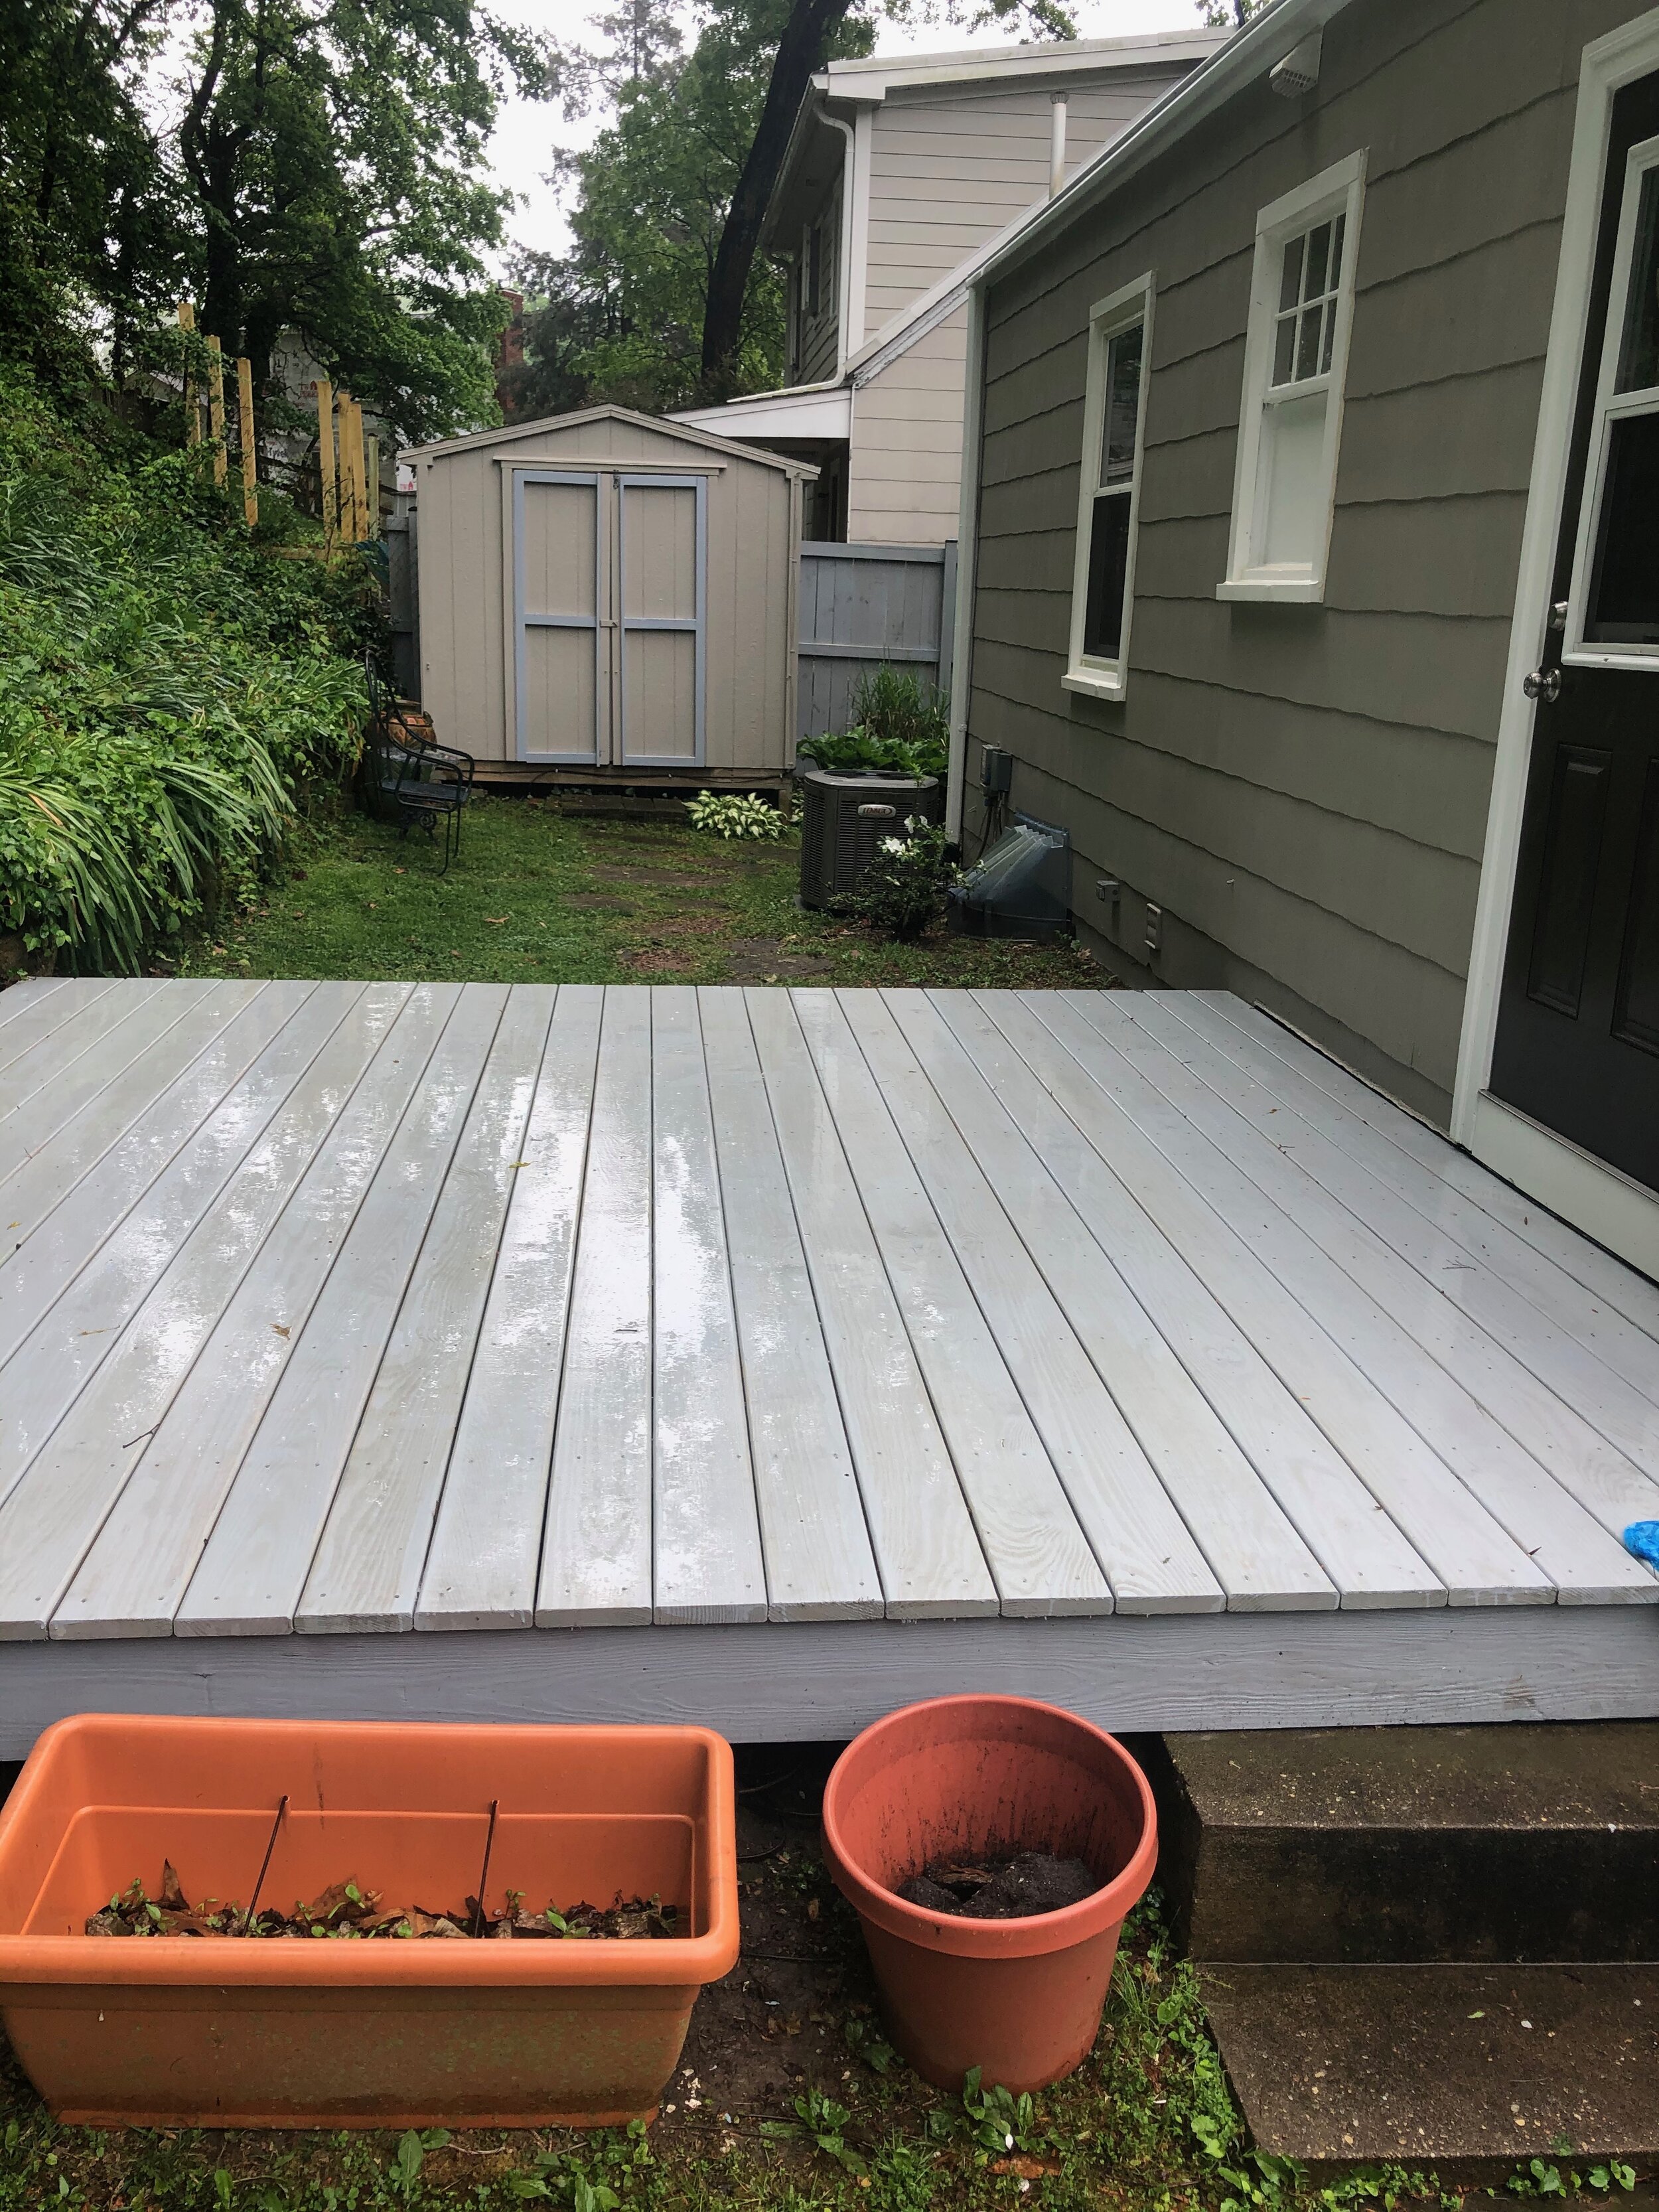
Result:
{"points": [[802, 1680]]}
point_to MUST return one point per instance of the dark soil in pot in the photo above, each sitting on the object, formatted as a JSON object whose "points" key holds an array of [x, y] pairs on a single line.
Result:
{"points": [[1009, 1886]]}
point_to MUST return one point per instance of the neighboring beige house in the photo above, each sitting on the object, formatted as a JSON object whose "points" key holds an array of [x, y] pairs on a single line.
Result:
{"points": [[1309, 571], [902, 173]]}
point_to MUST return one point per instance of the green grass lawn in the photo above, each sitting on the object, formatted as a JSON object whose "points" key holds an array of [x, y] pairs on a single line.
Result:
{"points": [[543, 898]]}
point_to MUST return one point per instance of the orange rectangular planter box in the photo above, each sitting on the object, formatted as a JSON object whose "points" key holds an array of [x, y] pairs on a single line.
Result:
{"points": [[227, 2032]]}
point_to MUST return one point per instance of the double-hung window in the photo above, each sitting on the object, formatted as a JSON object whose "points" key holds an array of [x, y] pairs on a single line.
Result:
{"points": [[1295, 357], [1108, 504]]}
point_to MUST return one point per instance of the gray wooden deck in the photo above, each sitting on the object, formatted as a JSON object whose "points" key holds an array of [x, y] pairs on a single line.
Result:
{"points": [[802, 1351]]}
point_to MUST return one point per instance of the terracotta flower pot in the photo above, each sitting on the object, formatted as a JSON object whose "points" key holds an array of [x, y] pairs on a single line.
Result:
{"points": [[218, 2030], [957, 1779]]}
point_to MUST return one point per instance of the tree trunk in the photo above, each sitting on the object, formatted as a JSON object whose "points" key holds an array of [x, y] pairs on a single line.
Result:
{"points": [[801, 51]]}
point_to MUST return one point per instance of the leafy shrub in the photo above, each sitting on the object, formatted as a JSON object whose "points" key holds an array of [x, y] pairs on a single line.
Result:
{"points": [[735, 814], [901, 892], [900, 726], [168, 690]]}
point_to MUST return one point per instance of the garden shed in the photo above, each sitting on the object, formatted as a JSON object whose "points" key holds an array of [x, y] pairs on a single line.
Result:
{"points": [[604, 591]]}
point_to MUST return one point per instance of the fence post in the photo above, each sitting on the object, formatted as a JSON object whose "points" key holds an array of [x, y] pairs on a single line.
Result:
{"points": [[216, 409], [372, 472], [327, 483], [351, 463], [192, 405], [250, 451]]}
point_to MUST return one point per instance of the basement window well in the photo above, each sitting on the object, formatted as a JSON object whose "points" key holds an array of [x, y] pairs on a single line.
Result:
{"points": [[1295, 357]]}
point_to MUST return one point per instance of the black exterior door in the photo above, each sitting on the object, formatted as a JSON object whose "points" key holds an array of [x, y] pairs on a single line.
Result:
{"points": [[1577, 1041]]}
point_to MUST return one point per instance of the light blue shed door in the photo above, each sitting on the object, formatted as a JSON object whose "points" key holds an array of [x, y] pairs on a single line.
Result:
{"points": [[561, 664], [662, 565]]}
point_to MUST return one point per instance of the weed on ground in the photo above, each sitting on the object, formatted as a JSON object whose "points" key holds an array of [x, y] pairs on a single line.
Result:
{"points": [[540, 896], [788, 2099]]}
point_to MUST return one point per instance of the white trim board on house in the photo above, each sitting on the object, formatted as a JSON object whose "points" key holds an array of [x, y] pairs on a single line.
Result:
{"points": [[523, 1332]]}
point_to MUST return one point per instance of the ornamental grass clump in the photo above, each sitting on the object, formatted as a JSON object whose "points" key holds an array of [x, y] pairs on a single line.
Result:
{"points": [[170, 691], [900, 726]]}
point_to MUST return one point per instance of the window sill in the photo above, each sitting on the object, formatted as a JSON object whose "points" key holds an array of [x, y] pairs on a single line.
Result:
{"points": [[1094, 682], [1268, 591]]}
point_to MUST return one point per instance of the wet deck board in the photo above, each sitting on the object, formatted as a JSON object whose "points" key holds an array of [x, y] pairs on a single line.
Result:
{"points": [[334, 1312]]}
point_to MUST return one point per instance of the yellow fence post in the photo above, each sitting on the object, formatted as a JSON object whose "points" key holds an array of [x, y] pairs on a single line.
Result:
{"points": [[250, 451], [192, 404], [359, 486], [328, 483], [216, 409], [351, 471]]}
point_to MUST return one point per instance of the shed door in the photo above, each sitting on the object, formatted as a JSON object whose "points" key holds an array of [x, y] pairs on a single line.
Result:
{"points": [[561, 666], [662, 564], [1578, 1042]]}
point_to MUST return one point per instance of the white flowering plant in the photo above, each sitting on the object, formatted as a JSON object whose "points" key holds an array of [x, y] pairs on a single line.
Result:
{"points": [[901, 892]]}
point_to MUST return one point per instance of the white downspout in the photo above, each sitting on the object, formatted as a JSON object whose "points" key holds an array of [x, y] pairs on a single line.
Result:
{"points": [[961, 666]]}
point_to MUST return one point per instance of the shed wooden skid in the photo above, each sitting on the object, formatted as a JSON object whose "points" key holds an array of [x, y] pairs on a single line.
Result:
{"points": [[608, 593], [772, 1358]]}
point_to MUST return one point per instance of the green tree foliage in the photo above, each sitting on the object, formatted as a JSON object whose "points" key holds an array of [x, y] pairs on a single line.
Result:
{"points": [[662, 299], [333, 152], [317, 165], [620, 316], [87, 216], [1229, 14]]}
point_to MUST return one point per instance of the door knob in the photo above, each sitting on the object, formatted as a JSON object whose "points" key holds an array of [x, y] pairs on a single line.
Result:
{"points": [[1543, 684]]}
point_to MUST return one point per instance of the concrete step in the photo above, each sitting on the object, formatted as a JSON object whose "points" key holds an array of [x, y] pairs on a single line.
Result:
{"points": [[1528, 1841], [1470, 2067]]}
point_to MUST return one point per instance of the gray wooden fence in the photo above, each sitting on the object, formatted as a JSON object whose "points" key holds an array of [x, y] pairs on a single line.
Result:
{"points": [[863, 604]]}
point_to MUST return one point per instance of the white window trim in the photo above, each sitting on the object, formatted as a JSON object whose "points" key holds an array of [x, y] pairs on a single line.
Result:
{"points": [[1340, 190], [1577, 651], [1132, 303]]}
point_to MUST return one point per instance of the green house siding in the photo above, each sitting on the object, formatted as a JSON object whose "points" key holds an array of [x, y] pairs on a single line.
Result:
{"points": [[1302, 789]]}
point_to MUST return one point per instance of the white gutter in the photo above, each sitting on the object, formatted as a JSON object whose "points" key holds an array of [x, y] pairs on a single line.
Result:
{"points": [[962, 651]]}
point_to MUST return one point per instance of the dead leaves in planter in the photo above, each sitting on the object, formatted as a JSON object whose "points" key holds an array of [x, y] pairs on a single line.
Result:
{"points": [[348, 1910]]}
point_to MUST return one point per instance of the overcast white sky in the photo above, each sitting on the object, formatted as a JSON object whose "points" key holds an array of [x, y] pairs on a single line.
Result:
{"points": [[526, 133]]}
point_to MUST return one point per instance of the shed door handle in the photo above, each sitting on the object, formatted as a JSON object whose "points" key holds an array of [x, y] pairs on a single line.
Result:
{"points": [[1543, 684]]}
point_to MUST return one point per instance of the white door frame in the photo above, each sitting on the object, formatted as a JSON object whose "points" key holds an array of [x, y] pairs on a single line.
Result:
{"points": [[596, 623], [1594, 1197]]}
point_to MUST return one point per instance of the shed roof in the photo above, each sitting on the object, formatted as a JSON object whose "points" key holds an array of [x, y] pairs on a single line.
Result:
{"points": [[510, 434]]}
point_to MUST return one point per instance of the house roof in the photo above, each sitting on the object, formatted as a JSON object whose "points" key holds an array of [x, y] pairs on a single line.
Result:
{"points": [[930, 308], [1247, 56], [866, 83], [875, 77], [513, 434]]}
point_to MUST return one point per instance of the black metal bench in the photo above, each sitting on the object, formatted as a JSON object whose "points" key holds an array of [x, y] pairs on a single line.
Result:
{"points": [[415, 781]]}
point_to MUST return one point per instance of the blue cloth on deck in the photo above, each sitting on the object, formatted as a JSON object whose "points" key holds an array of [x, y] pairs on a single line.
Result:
{"points": [[1642, 1539]]}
